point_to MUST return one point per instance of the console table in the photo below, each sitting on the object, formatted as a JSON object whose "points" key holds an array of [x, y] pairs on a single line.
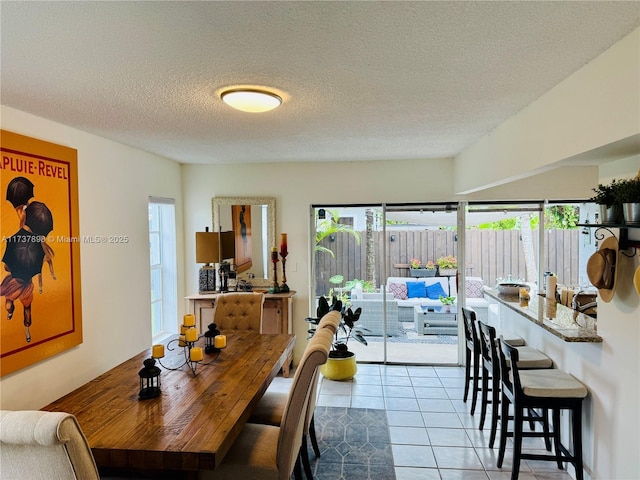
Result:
{"points": [[277, 313]]}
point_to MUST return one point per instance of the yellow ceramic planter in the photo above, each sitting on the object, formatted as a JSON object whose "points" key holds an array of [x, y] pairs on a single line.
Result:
{"points": [[339, 368]]}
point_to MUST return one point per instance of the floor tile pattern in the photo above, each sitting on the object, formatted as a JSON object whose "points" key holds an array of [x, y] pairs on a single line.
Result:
{"points": [[432, 434]]}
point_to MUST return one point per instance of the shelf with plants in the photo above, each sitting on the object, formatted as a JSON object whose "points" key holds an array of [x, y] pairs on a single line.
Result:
{"points": [[619, 203]]}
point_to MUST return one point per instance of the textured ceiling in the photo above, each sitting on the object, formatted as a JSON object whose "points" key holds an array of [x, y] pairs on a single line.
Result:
{"points": [[361, 80]]}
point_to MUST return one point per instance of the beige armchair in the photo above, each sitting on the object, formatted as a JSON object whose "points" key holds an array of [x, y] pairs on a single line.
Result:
{"points": [[44, 445], [238, 311]]}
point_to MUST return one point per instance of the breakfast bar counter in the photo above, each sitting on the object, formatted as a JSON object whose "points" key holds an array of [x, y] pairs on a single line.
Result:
{"points": [[561, 321]]}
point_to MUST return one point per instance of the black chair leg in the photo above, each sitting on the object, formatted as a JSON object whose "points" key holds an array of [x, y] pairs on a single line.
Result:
{"points": [[495, 400], [467, 374], [517, 442], [484, 401], [556, 436], [312, 436], [504, 420], [304, 456], [476, 386], [545, 429], [297, 469], [576, 421]]}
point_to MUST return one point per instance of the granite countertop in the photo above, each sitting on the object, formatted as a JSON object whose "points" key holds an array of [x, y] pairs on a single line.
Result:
{"points": [[562, 321]]}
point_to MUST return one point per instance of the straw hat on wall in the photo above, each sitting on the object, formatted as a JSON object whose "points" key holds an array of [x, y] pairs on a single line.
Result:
{"points": [[601, 268]]}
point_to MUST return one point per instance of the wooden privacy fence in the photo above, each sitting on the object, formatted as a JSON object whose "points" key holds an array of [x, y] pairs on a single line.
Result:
{"points": [[490, 254]]}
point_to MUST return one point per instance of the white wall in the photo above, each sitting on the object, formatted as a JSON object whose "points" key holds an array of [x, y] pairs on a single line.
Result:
{"points": [[114, 183], [594, 107]]}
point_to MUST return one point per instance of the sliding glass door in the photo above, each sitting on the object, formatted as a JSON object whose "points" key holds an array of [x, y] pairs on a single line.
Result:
{"points": [[362, 250], [363, 255]]}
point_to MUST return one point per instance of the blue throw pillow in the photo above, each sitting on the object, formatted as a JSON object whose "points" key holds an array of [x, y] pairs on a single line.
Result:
{"points": [[416, 290], [434, 291]]}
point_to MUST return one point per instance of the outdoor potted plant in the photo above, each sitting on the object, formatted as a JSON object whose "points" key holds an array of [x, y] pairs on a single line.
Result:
{"points": [[447, 265], [416, 270], [341, 364], [447, 303], [627, 193]]}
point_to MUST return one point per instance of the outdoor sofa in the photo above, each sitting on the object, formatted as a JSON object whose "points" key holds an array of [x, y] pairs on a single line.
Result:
{"points": [[400, 302]]}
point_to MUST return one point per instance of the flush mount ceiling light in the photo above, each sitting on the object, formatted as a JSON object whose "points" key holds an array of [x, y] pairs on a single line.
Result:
{"points": [[251, 100]]}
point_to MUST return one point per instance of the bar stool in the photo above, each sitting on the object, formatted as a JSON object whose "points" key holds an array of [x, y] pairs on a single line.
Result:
{"points": [[528, 358], [473, 351], [547, 389]]}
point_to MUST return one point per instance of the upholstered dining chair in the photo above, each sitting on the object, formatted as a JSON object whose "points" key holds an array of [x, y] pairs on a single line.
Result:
{"points": [[44, 445], [268, 452], [238, 311], [271, 406]]}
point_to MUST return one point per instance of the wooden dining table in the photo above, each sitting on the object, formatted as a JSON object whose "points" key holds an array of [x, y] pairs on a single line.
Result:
{"points": [[196, 418]]}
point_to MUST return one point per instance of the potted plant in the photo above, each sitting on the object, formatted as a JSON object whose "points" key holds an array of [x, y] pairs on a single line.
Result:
{"points": [[447, 303], [416, 270], [341, 364], [607, 197], [627, 194], [447, 265]]}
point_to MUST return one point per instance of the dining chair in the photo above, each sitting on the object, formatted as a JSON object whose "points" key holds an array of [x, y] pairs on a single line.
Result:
{"points": [[473, 354], [271, 406], [526, 390], [44, 445], [238, 311], [268, 452], [529, 358]]}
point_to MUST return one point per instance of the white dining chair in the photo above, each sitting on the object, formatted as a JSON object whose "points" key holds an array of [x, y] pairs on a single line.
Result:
{"points": [[42, 445]]}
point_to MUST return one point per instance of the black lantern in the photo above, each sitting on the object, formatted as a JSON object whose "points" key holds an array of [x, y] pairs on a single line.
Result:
{"points": [[149, 380], [209, 339]]}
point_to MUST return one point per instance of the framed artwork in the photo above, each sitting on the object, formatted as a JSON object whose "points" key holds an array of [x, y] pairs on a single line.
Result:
{"points": [[241, 215], [40, 309]]}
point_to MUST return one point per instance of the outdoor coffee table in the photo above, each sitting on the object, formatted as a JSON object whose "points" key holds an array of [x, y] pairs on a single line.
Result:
{"points": [[435, 320]]}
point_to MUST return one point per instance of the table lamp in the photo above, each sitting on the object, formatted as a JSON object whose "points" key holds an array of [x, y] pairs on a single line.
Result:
{"points": [[207, 252], [212, 247]]}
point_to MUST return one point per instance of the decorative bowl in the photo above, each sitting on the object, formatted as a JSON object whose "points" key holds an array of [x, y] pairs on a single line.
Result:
{"points": [[510, 288]]}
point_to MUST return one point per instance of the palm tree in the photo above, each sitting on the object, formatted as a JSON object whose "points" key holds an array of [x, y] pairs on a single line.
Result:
{"points": [[330, 225]]}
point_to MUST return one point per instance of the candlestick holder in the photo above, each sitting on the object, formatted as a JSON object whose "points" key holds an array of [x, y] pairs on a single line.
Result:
{"points": [[284, 287], [275, 288], [192, 353]]}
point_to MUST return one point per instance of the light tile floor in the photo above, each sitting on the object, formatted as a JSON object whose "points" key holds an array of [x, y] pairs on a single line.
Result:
{"points": [[432, 433]]}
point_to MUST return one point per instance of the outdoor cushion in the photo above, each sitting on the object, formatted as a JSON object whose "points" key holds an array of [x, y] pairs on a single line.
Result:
{"points": [[434, 291], [417, 289], [399, 290], [473, 288]]}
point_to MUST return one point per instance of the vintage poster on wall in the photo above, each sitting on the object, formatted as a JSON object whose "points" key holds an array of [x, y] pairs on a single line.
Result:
{"points": [[40, 313], [242, 229]]}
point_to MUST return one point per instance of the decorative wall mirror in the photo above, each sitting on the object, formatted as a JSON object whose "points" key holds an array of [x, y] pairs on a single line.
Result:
{"points": [[253, 220]]}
